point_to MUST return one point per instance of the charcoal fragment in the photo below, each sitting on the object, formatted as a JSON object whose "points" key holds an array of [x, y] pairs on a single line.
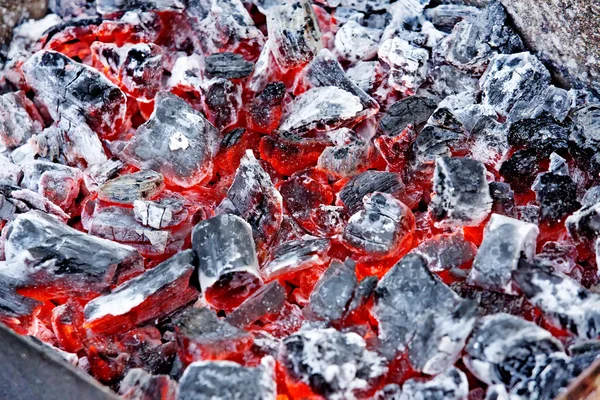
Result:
{"points": [[412, 110], [140, 385], [228, 66], [296, 255], [450, 385], [168, 210], [267, 300], [56, 259], [584, 224], [207, 380], [348, 154], [520, 170], [16, 124], [126, 189], [447, 251], [556, 193], [585, 137], [267, 108], [462, 195], [444, 17], [354, 42], [108, 7], [14, 308], [363, 292], [10, 173], [156, 293], [177, 141], [503, 199], [542, 134], [333, 291], [222, 99], [408, 64], [368, 182]]}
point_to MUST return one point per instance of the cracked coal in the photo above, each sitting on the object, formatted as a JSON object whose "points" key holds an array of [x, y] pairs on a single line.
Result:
{"points": [[269, 199]]}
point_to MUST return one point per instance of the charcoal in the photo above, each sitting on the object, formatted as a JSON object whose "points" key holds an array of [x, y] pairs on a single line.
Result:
{"points": [[7, 208], [169, 210], [329, 221], [584, 224], [391, 391], [140, 385], [71, 8], [49, 144], [253, 197], [354, 42], [309, 355], [13, 306], [294, 33], [408, 64], [496, 392], [202, 335], [126, 189], [558, 256], [105, 7], [177, 141], [383, 228], [505, 241], [450, 385], [26, 200], [446, 252], [448, 80], [503, 199], [368, 182], [543, 134], [222, 99], [585, 137], [156, 293], [490, 303], [569, 304], [363, 292], [347, 156], [520, 170], [207, 380], [325, 71], [16, 124], [462, 195], [228, 66], [10, 173], [412, 303], [333, 291], [412, 110], [60, 187], [42, 252], [187, 74], [267, 108], [296, 255], [267, 300], [364, 74], [444, 17], [75, 92], [81, 145], [224, 246], [505, 349], [557, 195], [529, 213]]}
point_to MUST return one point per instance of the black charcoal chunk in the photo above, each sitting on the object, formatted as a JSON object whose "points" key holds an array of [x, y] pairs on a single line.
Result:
{"points": [[503, 199], [294, 33], [462, 195], [333, 291], [446, 252], [557, 195], [585, 138], [505, 241], [520, 170], [296, 255], [411, 302], [265, 301], [569, 304], [209, 380], [253, 197], [505, 349], [223, 100], [412, 110], [542, 134], [42, 251], [367, 182], [310, 354], [228, 66], [126, 189], [489, 302], [223, 245], [176, 141], [449, 385], [142, 298], [362, 293]]}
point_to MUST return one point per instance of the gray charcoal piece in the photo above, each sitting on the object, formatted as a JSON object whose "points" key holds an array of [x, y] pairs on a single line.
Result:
{"points": [[505, 241], [412, 110], [12, 304], [16, 125], [584, 224], [333, 291], [210, 380], [309, 354], [203, 327], [228, 66], [75, 92], [462, 194], [81, 146], [354, 42], [49, 144], [34, 171], [410, 302], [408, 64], [364, 74], [269, 299], [223, 245], [176, 141], [368, 182], [349, 153], [584, 137], [126, 189], [131, 295], [294, 33], [253, 197], [168, 210], [449, 385], [363, 292], [381, 227], [446, 252], [139, 384], [296, 255], [565, 301], [108, 7], [10, 173], [98, 174], [505, 348], [222, 100], [445, 16], [43, 251]]}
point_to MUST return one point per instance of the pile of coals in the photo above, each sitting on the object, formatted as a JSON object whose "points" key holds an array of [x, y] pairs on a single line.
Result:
{"points": [[217, 199]]}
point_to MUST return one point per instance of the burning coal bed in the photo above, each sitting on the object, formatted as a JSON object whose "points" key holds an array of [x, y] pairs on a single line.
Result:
{"points": [[282, 200]]}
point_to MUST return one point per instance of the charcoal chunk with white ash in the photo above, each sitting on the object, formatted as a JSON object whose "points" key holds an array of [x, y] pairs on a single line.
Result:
{"points": [[16, 124], [520, 170], [412, 110], [333, 291], [584, 224], [445, 16], [368, 182], [462, 195], [333, 363], [296, 255], [207, 380], [155, 293], [412, 303], [45, 253], [446, 252], [354, 42], [228, 66], [168, 210], [556, 192], [505, 241], [408, 64], [139, 384], [349, 153], [115, 6], [449, 385], [126, 189], [10, 173], [176, 141], [585, 137], [222, 100], [543, 134], [267, 300]]}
